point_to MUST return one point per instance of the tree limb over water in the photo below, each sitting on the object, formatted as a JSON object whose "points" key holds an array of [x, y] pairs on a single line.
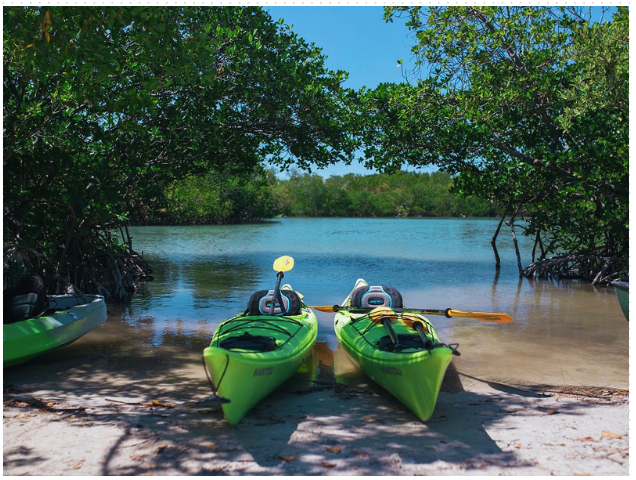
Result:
{"points": [[104, 107], [528, 106]]}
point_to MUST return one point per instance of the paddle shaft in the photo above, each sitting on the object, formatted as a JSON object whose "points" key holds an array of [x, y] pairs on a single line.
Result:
{"points": [[337, 308], [449, 312], [275, 298]]}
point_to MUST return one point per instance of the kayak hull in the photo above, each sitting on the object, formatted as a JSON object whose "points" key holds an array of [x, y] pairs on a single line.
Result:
{"points": [[622, 294], [413, 376], [415, 383], [243, 378], [77, 316]]}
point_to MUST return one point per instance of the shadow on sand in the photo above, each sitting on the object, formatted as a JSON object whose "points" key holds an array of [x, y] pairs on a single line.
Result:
{"points": [[147, 422]]}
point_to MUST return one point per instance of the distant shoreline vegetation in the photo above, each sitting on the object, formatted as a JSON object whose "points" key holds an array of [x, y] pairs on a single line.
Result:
{"points": [[223, 199]]}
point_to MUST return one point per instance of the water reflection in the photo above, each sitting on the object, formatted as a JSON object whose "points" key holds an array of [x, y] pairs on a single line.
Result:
{"points": [[564, 334]]}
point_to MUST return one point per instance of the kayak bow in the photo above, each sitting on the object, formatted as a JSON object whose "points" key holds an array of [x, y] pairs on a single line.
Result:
{"points": [[252, 355]]}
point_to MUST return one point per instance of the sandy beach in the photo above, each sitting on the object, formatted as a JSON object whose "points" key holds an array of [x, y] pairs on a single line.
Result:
{"points": [[88, 420]]}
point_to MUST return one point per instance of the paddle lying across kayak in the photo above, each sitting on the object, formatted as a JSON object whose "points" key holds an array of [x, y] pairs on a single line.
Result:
{"points": [[399, 351], [256, 351]]}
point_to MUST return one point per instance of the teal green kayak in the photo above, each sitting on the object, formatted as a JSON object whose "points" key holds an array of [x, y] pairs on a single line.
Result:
{"points": [[408, 366], [74, 317], [621, 288], [253, 353]]}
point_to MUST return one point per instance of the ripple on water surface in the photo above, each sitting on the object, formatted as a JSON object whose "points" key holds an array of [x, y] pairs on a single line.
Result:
{"points": [[564, 334]]}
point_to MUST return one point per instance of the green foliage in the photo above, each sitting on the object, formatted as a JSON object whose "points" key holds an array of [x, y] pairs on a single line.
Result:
{"points": [[529, 106], [401, 194], [221, 197], [601, 83], [119, 114], [215, 198], [105, 107]]}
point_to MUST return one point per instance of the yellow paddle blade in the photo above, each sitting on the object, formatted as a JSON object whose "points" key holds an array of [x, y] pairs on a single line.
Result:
{"points": [[284, 264], [410, 319], [379, 313], [325, 308], [482, 316]]}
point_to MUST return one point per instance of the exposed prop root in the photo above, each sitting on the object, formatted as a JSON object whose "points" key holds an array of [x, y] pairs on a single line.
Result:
{"points": [[116, 277], [111, 271], [598, 270]]}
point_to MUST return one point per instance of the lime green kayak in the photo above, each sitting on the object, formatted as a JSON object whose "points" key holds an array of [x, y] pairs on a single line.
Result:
{"points": [[253, 353], [74, 316], [413, 372]]}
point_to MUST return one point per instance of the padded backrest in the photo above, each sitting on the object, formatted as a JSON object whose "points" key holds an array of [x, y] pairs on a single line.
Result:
{"points": [[372, 296], [25, 299], [260, 302]]}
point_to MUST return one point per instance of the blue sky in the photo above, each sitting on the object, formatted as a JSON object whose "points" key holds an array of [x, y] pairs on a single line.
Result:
{"points": [[354, 39], [359, 41]]}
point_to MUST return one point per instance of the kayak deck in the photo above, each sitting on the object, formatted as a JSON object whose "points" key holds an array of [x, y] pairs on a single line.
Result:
{"points": [[414, 374], [243, 375]]}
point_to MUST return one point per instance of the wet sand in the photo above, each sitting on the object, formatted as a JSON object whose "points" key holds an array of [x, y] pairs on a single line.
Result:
{"points": [[73, 415]]}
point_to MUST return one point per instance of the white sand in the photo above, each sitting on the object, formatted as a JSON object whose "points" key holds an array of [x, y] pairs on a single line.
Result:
{"points": [[331, 430]]}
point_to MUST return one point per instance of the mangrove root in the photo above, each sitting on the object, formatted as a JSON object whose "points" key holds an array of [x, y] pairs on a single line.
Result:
{"points": [[598, 270]]}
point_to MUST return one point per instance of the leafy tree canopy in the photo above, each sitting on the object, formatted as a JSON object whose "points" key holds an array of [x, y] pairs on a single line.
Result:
{"points": [[529, 105], [402, 194], [106, 106]]}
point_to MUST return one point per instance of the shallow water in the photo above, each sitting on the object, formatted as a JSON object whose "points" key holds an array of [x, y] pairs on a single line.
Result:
{"points": [[564, 334]]}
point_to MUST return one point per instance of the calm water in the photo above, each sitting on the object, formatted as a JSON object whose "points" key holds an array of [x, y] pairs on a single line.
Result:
{"points": [[564, 334]]}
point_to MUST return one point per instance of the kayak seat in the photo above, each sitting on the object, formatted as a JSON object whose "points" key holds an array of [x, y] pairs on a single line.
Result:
{"points": [[24, 299], [260, 302], [371, 296], [247, 341], [406, 341]]}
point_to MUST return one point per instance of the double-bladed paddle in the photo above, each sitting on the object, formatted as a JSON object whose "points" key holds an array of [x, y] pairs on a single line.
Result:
{"points": [[480, 316]]}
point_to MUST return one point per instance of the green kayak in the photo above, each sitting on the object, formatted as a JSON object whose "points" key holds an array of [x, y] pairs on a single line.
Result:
{"points": [[408, 364], [74, 316], [621, 287], [251, 355], [256, 351]]}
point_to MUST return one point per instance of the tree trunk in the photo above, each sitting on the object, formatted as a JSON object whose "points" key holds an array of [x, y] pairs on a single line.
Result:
{"points": [[493, 241], [514, 239], [511, 223]]}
